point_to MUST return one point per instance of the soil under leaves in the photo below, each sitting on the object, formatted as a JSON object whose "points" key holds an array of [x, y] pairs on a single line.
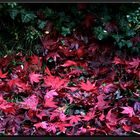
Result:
{"points": [[78, 87]]}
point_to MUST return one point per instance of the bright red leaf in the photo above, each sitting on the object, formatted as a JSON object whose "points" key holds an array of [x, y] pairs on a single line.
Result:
{"points": [[111, 118], [30, 102], [3, 75], [55, 82], [41, 125], [117, 60], [50, 103], [34, 77], [74, 119], [50, 94], [135, 63], [69, 63], [101, 104], [128, 110], [5, 106], [109, 88], [88, 86]]}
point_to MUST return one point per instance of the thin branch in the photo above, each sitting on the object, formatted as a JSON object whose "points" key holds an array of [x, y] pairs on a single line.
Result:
{"points": [[136, 132]]}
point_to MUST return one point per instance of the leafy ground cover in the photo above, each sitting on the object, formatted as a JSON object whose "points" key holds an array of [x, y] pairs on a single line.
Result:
{"points": [[73, 85]]}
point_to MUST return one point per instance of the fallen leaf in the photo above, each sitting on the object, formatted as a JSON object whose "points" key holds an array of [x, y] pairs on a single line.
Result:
{"points": [[34, 77], [3, 75], [88, 86], [128, 110], [69, 63], [30, 102]]}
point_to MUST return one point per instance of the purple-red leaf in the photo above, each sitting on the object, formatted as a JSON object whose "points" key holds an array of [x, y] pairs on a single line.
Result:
{"points": [[128, 110], [34, 77]]}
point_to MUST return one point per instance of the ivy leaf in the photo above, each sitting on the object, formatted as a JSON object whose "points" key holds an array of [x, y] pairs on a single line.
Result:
{"points": [[13, 13], [41, 24], [65, 31], [129, 43], [27, 17]]}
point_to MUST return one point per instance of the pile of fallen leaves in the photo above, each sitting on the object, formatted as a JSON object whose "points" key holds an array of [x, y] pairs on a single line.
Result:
{"points": [[77, 88]]}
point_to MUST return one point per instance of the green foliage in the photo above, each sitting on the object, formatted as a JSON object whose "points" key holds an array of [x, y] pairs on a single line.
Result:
{"points": [[21, 28], [100, 33]]}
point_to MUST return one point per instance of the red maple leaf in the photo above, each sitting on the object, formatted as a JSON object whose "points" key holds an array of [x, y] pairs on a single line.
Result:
{"points": [[6, 106], [69, 63], [74, 119], [50, 103], [62, 116], [109, 88], [88, 86], [135, 63], [41, 114], [62, 126], [53, 55], [102, 117], [80, 52], [3, 75], [21, 86], [50, 94], [127, 128], [75, 72], [51, 127], [111, 118], [12, 82], [41, 125], [55, 82], [34, 77], [117, 60], [48, 71], [36, 60], [30, 102], [54, 115], [101, 104], [128, 110], [89, 116], [125, 85]]}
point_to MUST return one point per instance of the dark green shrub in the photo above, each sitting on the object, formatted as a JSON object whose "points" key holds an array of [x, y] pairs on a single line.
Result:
{"points": [[22, 25]]}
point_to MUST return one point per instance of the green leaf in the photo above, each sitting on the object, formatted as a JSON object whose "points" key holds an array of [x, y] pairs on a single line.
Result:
{"points": [[131, 33], [13, 13], [41, 24], [129, 43], [121, 43], [27, 17], [65, 31]]}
